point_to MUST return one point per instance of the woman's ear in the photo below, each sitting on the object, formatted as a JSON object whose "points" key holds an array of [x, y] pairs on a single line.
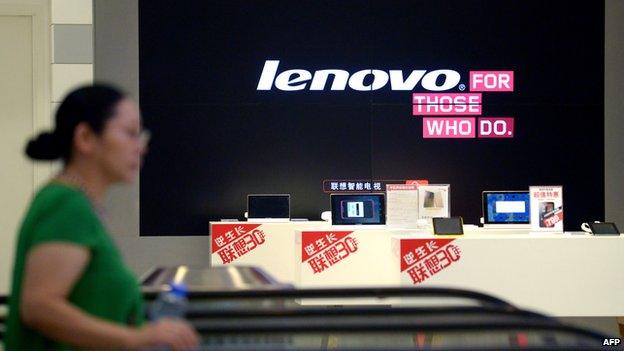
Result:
{"points": [[84, 139]]}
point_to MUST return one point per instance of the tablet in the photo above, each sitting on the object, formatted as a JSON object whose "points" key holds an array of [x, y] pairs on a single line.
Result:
{"points": [[448, 225], [604, 228], [352, 209]]}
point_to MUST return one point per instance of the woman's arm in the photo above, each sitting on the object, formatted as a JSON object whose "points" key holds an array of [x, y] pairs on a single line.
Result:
{"points": [[51, 271]]}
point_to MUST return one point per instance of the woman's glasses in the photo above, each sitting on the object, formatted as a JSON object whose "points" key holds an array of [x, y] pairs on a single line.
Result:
{"points": [[144, 137]]}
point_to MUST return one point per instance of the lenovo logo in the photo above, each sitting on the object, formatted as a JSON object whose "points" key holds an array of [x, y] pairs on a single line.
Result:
{"points": [[364, 80]]}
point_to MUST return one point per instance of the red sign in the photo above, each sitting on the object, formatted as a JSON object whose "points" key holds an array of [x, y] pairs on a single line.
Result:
{"points": [[231, 241], [391, 187], [423, 258], [550, 219], [418, 182], [322, 250]]}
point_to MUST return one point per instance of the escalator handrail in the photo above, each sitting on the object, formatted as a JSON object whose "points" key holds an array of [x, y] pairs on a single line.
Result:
{"points": [[384, 292], [366, 326], [217, 312]]}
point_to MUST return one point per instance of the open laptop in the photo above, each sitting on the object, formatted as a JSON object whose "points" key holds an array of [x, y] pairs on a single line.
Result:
{"points": [[268, 208], [506, 209], [367, 210]]}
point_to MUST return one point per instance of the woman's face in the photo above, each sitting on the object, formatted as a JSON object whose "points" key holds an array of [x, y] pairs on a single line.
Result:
{"points": [[122, 144]]}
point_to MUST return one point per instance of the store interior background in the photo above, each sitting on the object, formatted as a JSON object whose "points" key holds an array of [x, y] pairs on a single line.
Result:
{"points": [[116, 27], [116, 60]]}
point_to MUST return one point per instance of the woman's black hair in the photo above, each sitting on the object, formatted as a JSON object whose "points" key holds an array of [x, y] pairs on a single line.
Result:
{"points": [[93, 104]]}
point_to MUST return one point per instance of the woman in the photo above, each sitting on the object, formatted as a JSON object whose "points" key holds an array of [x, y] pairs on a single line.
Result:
{"points": [[71, 289]]}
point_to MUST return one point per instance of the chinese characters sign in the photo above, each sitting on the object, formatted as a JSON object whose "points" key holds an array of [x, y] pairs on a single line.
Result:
{"points": [[423, 258], [321, 250], [364, 185], [546, 208], [231, 241]]}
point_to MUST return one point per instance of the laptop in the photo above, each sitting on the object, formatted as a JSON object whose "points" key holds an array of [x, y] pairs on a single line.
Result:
{"points": [[358, 209], [507, 209], [268, 208]]}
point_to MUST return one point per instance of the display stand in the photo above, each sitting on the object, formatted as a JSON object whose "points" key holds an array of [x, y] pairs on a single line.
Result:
{"points": [[552, 273], [265, 245]]}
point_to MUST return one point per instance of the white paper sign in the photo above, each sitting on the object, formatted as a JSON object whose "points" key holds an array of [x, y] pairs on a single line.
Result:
{"points": [[546, 208], [402, 205]]}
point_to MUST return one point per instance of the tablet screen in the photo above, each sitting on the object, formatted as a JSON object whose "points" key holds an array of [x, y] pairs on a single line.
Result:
{"points": [[268, 206], [506, 207], [358, 209], [450, 225]]}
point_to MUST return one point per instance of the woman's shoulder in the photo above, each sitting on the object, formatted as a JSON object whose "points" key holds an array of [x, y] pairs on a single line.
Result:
{"points": [[56, 196], [60, 212]]}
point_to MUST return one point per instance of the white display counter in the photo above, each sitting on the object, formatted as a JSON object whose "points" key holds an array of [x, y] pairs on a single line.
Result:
{"points": [[556, 274]]}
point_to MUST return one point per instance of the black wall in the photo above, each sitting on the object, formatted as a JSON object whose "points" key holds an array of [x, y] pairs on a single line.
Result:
{"points": [[216, 138]]}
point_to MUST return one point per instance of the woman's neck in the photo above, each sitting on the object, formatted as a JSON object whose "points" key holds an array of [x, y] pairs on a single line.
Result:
{"points": [[88, 179]]}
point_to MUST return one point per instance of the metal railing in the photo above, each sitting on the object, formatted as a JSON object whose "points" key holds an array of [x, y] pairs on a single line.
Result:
{"points": [[224, 318]]}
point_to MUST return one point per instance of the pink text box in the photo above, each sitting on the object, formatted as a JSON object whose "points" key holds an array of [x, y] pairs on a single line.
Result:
{"points": [[448, 127], [491, 81], [446, 98], [446, 110], [496, 127]]}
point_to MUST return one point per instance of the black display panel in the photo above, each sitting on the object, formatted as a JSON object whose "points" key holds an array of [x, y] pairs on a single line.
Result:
{"points": [[217, 137], [608, 228], [448, 226], [268, 206]]}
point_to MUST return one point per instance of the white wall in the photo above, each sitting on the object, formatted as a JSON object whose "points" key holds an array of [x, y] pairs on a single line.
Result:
{"points": [[25, 108], [52, 78]]}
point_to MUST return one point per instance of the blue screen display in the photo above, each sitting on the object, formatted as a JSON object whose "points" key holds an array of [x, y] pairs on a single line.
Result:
{"points": [[507, 207]]}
